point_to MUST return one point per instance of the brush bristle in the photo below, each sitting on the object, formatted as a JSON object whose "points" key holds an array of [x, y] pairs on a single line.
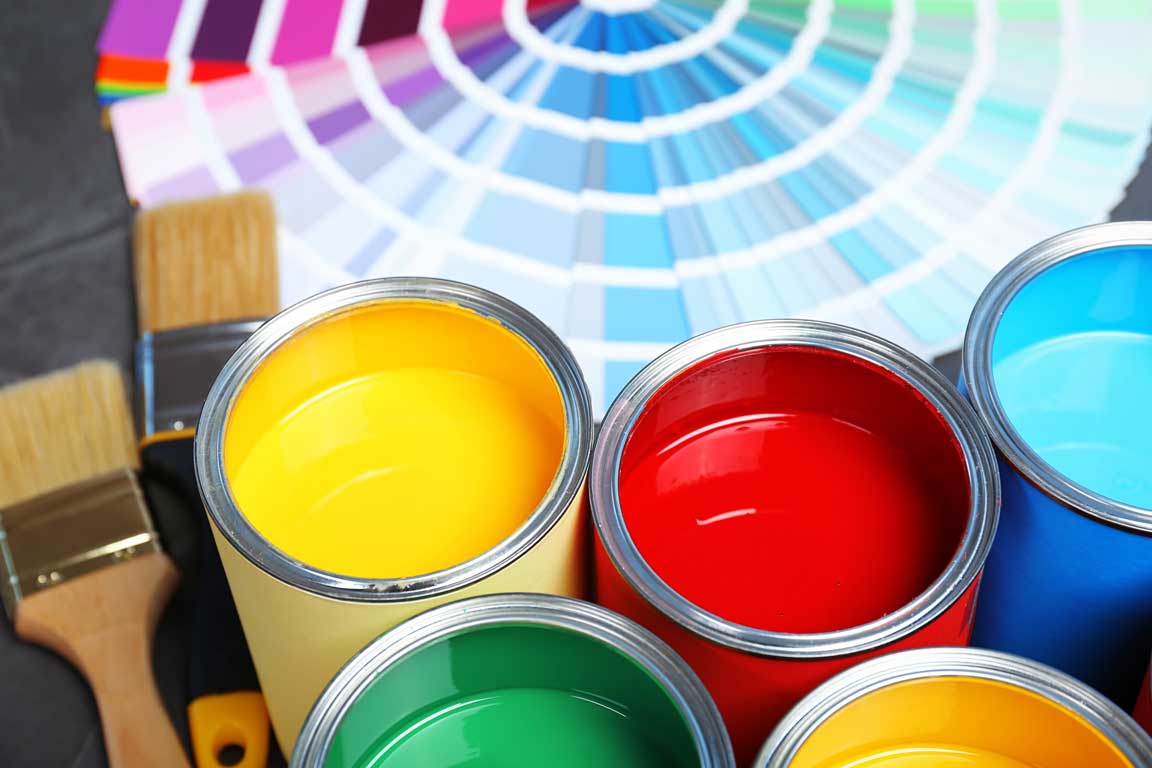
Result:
{"points": [[206, 261], [63, 427]]}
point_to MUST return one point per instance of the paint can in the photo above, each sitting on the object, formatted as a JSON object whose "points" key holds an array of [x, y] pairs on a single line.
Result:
{"points": [[956, 706], [778, 500], [515, 680], [379, 449], [1058, 365], [1143, 711]]}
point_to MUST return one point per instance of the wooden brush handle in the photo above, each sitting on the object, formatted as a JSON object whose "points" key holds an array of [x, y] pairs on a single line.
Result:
{"points": [[103, 622]]}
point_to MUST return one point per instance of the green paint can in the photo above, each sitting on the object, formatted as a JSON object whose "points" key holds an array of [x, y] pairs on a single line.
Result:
{"points": [[515, 680]]}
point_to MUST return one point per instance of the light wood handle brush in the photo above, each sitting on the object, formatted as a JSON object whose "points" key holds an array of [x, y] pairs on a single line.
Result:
{"points": [[83, 571]]}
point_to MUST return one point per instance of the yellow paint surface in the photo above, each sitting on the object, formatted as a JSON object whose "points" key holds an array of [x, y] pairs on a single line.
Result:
{"points": [[956, 722], [396, 439]]}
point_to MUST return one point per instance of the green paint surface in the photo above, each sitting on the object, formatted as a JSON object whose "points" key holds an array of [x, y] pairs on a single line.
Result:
{"points": [[514, 696], [520, 726]]}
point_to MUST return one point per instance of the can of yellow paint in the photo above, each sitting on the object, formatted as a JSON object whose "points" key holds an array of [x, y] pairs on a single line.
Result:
{"points": [[379, 449], [955, 706]]}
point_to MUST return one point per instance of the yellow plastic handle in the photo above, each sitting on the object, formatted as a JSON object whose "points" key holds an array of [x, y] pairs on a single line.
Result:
{"points": [[224, 720]]}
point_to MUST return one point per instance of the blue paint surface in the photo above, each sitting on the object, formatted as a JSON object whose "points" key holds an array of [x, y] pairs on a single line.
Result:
{"points": [[1084, 404], [1072, 365]]}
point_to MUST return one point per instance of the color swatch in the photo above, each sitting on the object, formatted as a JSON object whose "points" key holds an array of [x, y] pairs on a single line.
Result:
{"points": [[637, 171]]}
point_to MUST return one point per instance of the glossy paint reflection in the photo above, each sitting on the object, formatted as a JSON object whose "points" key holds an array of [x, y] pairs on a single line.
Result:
{"points": [[956, 722], [514, 696], [1072, 366], [395, 440], [816, 493]]}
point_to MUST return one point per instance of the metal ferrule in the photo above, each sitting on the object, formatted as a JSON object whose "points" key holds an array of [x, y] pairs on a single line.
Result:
{"points": [[962, 570], [833, 695], [176, 368], [235, 527], [49, 539], [978, 376], [633, 641]]}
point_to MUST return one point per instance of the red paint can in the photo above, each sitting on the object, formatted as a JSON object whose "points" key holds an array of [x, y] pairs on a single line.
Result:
{"points": [[780, 500], [1143, 711]]}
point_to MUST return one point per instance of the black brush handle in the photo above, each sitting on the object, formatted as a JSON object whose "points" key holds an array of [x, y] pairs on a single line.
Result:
{"points": [[224, 703]]}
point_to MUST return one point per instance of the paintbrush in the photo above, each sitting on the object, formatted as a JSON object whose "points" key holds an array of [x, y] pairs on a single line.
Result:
{"points": [[206, 277], [83, 572]]}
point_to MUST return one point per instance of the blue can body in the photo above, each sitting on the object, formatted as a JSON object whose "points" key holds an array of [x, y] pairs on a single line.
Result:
{"points": [[1058, 364], [1065, 589]]}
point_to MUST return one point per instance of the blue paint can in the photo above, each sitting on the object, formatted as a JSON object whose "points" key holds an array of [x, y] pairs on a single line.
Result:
{"points": [[1058, 364]]}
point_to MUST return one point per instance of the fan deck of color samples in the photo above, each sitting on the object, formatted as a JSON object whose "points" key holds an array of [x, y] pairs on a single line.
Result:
{"points": [[635, 172]]}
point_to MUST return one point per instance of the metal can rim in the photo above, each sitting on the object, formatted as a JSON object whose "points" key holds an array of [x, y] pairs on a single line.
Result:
{"points": [[593, 621], [243, 536], [949, 586], [814, 709], [977, 367]]}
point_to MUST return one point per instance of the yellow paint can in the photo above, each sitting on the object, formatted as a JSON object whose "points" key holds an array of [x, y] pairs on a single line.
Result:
{"points": [[382, 448], [955, 708]]}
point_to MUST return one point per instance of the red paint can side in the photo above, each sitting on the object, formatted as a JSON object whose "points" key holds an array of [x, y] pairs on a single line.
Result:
{"points": [[1143, 712], [755, 692]]}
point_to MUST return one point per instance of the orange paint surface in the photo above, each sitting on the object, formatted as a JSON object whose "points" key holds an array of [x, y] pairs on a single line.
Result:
{"points": [[956, 722]]}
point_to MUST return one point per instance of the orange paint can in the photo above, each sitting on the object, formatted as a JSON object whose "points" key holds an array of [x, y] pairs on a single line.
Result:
{"points": [[955, 708]]}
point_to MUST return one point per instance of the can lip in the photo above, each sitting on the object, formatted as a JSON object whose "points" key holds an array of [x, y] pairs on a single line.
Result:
{"points": [[241, 534], [641, 646], [815, 708], [962, 569], [977, 366]]}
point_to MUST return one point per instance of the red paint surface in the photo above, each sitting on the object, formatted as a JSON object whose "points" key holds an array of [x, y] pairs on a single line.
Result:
{"points": [[792, 489], [794, 522], [780, 504]]}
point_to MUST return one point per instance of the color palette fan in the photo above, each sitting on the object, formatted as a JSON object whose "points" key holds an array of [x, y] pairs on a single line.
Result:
{"points": [[147, 46], [637, 171]]}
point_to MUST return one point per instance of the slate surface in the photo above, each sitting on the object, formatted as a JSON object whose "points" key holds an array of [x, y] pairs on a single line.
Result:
{"points": [[65, 295]]}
